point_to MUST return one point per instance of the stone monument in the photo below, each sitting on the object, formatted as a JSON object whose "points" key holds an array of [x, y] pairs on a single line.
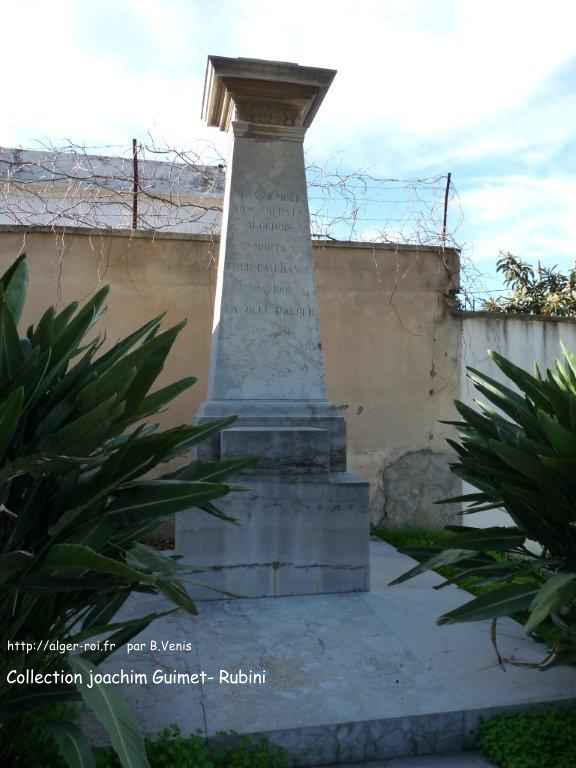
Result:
{"points": [[304, 524]]}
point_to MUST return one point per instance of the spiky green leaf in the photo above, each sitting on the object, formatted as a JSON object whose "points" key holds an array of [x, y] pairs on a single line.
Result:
{"points": [[501, 602], [110, 708], [73, 745], [447, 557], [14, 283]]}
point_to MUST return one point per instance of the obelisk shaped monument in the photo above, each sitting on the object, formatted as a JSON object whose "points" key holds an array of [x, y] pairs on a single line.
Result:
{"points": [[304, 521]]}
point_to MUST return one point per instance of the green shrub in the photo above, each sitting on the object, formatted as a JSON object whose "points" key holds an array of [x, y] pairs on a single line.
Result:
{"points": [[531, 740], [76, 496], [544, 292], [26, 743], [169, 749], [421, 544], [248, 753], [172, 750], [519, 453]]}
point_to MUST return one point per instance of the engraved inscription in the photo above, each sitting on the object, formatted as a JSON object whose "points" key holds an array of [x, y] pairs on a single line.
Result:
{"points": [[271, 212], [278, 268], [297, 311], [280, 211], [244, 210], [283, 197], [288, 216], [269, 226], [274, 290], [265, 245]]}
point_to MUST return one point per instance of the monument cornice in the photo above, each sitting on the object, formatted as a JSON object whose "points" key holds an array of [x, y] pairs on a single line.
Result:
{"points": [[267, 131], [264, 93]]}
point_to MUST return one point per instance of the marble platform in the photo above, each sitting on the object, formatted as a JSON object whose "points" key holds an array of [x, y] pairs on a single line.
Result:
{"points": [[454, 760], [349, 677]]}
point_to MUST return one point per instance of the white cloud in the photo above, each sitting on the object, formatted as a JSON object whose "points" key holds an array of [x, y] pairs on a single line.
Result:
{"points": [[422, 69], [60, 88], [533, 218], [427, 73], [502, 199], [420, 85]]}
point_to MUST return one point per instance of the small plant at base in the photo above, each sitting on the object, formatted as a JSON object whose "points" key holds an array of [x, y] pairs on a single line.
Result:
{"points": [[249, 753], [28, 744], [530, 740], [170, 749]]}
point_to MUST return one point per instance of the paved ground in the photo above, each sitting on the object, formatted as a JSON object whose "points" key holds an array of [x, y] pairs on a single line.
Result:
{"points": [[358, 677], [459, 760]]}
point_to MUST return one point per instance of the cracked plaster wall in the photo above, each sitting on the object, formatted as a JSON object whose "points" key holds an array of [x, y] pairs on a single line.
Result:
{"points": [[389, 339]]}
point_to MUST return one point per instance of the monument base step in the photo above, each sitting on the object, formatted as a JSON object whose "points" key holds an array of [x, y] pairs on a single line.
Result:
{"points": [[296, 536], [349, 678], [272, 415]]}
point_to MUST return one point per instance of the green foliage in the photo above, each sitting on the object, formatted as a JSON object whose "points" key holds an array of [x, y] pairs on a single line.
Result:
{"points": [[169, 749], [413, 538], [544, 292], [531, 740], [424, 544], [27, 743], [248, 753], [76, 496], [519, 453], [172, 750]]}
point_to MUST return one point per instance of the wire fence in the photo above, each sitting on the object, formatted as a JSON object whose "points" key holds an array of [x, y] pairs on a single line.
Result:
{"points": [[158, 188], [361, 206], [71, 186]]}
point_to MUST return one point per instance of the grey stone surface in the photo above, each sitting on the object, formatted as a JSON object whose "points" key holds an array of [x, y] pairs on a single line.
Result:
{"points": [[349, 677], [294, 536], [318, 414], [303, 521], [290, 450], [458, 760], [266, 335], [410, 485]]}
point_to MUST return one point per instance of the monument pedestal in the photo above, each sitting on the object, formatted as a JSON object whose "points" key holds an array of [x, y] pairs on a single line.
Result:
{"points": [[303, 520]]}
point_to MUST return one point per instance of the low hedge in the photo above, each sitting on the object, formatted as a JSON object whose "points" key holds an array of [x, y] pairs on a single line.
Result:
{"points": [[544, 739]]}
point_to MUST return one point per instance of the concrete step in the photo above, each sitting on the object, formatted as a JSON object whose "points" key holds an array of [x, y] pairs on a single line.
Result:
{"points": [[456, 760], [348, 678]]}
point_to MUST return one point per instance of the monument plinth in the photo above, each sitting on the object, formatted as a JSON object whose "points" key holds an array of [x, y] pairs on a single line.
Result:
{"points": [[304, 522]]}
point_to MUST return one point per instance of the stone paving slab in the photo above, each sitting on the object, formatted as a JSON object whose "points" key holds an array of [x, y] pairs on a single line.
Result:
{"points": [[458, 760], [356, 677]]}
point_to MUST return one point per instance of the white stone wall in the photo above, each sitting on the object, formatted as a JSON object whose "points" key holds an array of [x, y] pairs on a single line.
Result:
{"points": [[524, 341], [92, 191]]}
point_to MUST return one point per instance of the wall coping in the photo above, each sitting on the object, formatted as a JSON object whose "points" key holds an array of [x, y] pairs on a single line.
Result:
{"points": [[97, 232], [150, 235], [464, 315], [385, 246]]}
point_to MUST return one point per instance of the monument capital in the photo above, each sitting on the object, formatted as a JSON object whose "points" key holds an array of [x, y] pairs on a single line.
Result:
{"points": [[256, 92]]}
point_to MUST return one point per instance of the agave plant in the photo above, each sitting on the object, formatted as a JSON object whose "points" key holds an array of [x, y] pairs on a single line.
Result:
{"points": [[76, 500], [520, 454]]}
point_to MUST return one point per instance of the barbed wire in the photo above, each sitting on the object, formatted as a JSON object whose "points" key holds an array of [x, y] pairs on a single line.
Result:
{"points": [[153, 187], [68, 186], [361, 206]]}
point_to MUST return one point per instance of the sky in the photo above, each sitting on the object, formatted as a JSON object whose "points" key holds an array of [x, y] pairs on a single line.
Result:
{"points": [[484, 90]]}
